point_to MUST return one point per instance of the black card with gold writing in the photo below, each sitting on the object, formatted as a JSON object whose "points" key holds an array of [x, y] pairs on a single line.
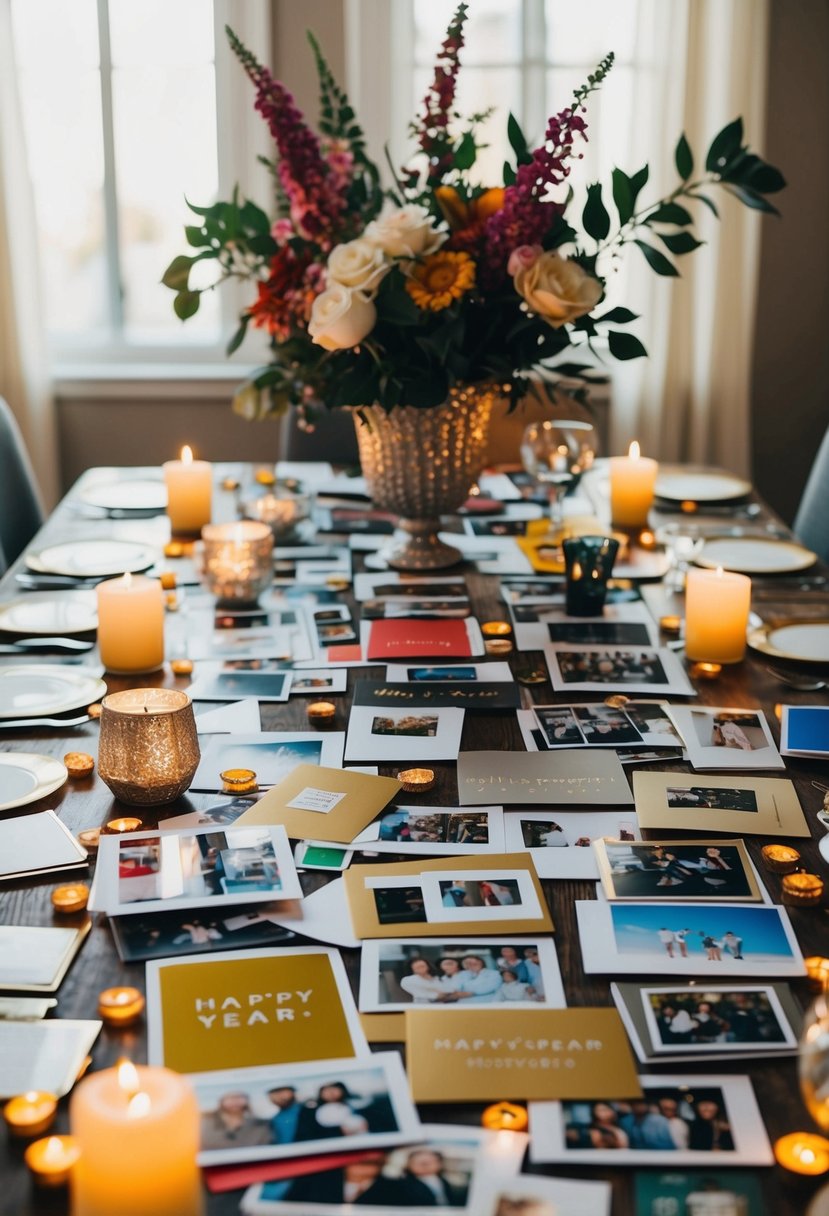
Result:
{"points": [[476, 695]]}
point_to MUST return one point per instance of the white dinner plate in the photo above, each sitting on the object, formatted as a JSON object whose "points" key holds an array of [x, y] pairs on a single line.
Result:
{"points": [[51, 613], [27, 776], [92, 558], [700, 487], [806, 641], [33, 691], [136, 495], [754, 555]]}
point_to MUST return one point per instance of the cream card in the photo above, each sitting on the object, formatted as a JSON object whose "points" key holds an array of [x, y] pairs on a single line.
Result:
{"points": [[738, 805]]}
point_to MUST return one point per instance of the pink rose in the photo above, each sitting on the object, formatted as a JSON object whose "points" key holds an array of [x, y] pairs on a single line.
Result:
{"points": [[522, 257], [282, 231]]}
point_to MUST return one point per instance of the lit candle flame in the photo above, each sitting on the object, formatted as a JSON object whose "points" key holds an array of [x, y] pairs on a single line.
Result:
{"points": [[138, 1106], [807, 1157], [186, 454], [127, 581], [720, 571], [53, 1152], [634, 451], [128, 1078]]}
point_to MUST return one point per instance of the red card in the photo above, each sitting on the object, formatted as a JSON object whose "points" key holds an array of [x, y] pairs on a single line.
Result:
{"points": [[412, 638], [232, 1177]]}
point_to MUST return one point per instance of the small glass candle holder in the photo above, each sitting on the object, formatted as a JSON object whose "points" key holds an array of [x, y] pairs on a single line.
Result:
{"points": [[416, 780], [181, 667], [149, 750], [802, 890], [283, 513], [125, 823], [497, 645], [50, 1160], [803, 1153], [79, 764], [588, 564], [505, 1117], [239, 781], [71, 897], [237, 560], [120, 1006], [706, 671], [817, 972], [322, 714], [30, 1114], [90, 839], [780, 858]]}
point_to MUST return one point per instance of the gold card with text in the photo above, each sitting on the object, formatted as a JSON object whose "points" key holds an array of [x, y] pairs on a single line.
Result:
{"points": [[487, 1055], [314, 803]]}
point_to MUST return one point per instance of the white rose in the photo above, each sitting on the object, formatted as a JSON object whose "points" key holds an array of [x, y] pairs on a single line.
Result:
{"points": [[406, 232], [357, 264], [340, 318], [556, 289]]}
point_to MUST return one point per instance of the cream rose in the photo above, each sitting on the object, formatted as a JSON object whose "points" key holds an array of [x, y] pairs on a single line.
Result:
{"points": [[340, 318], [557, 289], [357, 264], [406, 232]]}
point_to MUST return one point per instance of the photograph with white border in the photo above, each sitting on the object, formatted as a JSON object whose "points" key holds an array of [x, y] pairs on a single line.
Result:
{"points": [[641, 669], [725, 738], [704, 1018], [559, 841], [479, 895], [317, 682], [435, 831], [493, 973], [271, 755], [537, 625], [536, 1195], [682, 1120], [401, 735], [448, 673]]}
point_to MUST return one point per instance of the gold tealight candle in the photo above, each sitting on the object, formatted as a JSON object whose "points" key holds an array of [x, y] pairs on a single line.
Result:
{"points": [[70, 897], [497, 645], [496, 629], [803, 1153], [817, 972], [181, 667], [780, 858], [322, 714], [120, 1006], [416, 780], [90, 839], [670, 624], [127, 823], [804, 890], [239, 781], [51, 1160], [78, 764], [30, 1114], [505, 1117], [706, 671]]}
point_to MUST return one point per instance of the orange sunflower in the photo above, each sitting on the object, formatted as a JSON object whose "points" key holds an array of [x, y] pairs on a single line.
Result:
{"points": [[441, 278]]}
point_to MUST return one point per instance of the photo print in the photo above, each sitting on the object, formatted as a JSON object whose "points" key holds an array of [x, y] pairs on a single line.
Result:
{"points": [[444, 973], [271, 755], [682, 1119], [727, 738], [398, 900], [315, 683], [403, 734], [677, 869], [449, 673], [723, 1019], [199, 931], [533, 1195], [559, 842], [692, 1191], [738, 805], [236, 684], [616, 668], [435, 830], [390, 586], [481, 895]]}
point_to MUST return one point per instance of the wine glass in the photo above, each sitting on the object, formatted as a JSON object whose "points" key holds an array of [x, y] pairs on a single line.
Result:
{"points": [[556, 452], [813, 1061]]}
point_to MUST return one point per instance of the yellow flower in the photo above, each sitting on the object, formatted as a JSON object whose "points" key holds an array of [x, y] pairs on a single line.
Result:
{"points": [[441, 278]]}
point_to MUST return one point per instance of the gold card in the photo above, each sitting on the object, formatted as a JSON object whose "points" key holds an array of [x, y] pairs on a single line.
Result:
{"points": [[736, 805], [250, 1007], [384, 1027], [392, 900], [487, 1055], [316, 803]]}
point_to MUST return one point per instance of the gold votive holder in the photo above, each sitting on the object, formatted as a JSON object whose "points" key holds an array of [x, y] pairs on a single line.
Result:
{"points": [[70, 897], [30, 1114], [230, 484], [239, 781], [646, 539], [125, 823], [497, 645], [336, 582], [265, 477], [181, 667], [50, 1160], [505, 1117], [95, 710], [671, 625], [817, 972], [803, 1153], [149, 750], [416, 780], [617, 700], [237, 560], [120, 1006], [79, 764], [706, 671], [496, 629], [802, 890], [90, 839], [168, 580], [174, 549], [780, 858], [322, 714]]}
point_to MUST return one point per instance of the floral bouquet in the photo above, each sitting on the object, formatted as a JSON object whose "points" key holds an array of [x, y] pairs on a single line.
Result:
{"points": [[401, 295]]}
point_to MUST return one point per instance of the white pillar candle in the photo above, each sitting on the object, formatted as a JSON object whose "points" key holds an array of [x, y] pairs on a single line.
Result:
{"points": [[189, 493], [716, 615], [632, 479], [131, 624], [138, 1131]]}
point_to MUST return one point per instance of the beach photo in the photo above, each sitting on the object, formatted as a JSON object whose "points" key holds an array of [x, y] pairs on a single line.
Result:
{"points": [[271, 755]]}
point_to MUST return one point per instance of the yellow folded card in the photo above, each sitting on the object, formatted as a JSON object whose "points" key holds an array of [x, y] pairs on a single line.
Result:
{"points": [[323, 803], [486, 1055]]}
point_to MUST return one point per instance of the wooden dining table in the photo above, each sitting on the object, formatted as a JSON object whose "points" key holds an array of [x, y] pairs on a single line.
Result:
{"points": [[87, 802]]}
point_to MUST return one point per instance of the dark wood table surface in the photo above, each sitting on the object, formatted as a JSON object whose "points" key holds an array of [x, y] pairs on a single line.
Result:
{"points": [[88, 803]]}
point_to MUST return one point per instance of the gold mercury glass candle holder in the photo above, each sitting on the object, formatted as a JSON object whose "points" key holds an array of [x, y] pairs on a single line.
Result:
{"points": [[149, 750], [237, 560]]}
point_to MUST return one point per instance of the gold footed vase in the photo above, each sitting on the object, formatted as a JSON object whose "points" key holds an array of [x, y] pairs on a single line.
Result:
{"points": [[420, 464]]}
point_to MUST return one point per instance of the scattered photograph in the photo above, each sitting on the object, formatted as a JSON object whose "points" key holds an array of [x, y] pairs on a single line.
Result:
{"points": [[418, 726], [700, 796], [378, 610], [688, 939], [434, 1174], [398, 901], [141, 872], [677, 869], [560, 726], [400, 975], [255, 1114], [479, 895], [403, 734], [697, 1191], [684, 1119], [396, 587], [495, 527], [243, 642], [201, 931], [314, 683], [560, 841], [238, 684], [764, 806], [727, 738], [621, 668], [517, 589], [428, 829], [533, 1195], [605, 633], [726, 1019], [271, 755], [336, 634], [222, 814], [449, 673]]}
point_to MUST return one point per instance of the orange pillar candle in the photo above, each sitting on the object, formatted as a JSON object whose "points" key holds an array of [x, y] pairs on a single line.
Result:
{"points": [[138, 1129], [716, 615], [632, 480], [131, 624], [189, 493]]}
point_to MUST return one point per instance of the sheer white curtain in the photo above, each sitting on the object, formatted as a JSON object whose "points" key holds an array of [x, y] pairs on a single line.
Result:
{"points": [[24, 365], [690, 399]]}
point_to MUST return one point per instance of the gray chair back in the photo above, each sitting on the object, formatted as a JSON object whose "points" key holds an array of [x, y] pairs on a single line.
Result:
{"points": [[21, 513], [811, 524], [333, 438]]}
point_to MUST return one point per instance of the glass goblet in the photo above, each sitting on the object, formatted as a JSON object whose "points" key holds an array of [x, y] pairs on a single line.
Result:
{"points": [[556, 453]]}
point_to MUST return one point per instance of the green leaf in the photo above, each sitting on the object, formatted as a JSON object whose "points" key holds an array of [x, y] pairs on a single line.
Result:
{"points": [[625, 346], [466, 152], [509, 174], [239, 337], [765, 179], [394, 304], [595, 218], [656, 260], [197, 210], [517, 141], [709, 203], [670, 213], [186, 304], [177, 273], [751, 198], [622, 195], [683, 158], [638, 181], [725, 146], [679, 242], [620, 316], [197, 235], [254, 218]]}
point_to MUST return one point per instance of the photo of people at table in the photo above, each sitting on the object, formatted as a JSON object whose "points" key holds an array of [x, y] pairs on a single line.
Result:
{"points": [[698, 1018], [232, 862], [664, 1120], [611, 667], [459, 973], [711, 798], [407, 825], [671, 870]]}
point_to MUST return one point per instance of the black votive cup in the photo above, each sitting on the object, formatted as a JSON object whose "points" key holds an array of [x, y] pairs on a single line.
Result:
{"points": [[588, 564]]}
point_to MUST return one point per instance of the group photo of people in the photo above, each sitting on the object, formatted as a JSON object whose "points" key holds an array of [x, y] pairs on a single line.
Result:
{"points": [[611, 667], [471, 973], [467, 893], [664, 1120], [701, 1018], [455, 827], [420, 726], [701, 870], [711, 798]]}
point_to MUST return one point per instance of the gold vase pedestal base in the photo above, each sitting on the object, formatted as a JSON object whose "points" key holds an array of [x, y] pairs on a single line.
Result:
{"points": [[420, 547]]}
